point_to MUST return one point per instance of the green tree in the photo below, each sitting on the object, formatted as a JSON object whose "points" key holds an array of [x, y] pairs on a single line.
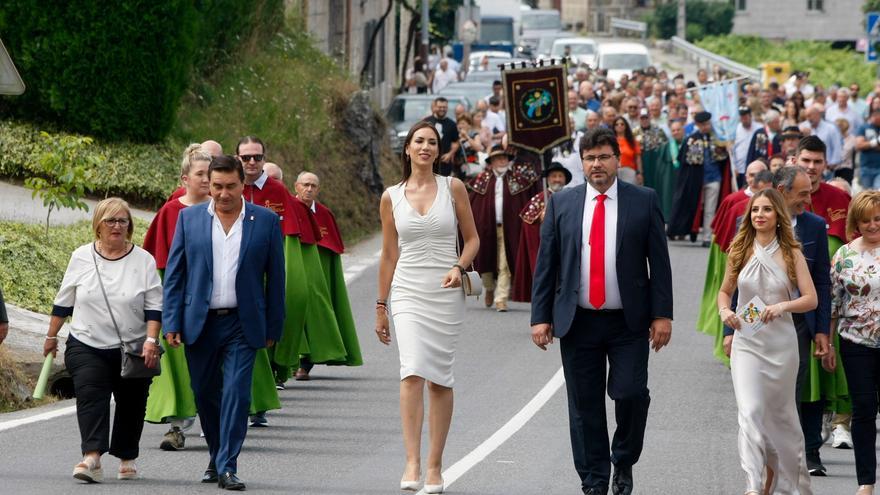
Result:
{"points": [[705, 18], [63, 173]]}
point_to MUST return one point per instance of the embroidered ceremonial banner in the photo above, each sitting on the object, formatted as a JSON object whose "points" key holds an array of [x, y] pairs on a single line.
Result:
{"points": [[537, 107]]}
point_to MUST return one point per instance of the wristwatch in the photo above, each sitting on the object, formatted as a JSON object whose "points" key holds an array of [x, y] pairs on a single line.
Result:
{"points": [[152, 340]]}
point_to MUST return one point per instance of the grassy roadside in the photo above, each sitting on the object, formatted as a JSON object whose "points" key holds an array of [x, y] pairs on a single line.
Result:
{"points": [[825, 64], [33, 265]]}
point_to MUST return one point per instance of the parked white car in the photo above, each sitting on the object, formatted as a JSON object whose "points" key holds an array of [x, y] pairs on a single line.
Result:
{"points": [[622, 58], [581, 50]]}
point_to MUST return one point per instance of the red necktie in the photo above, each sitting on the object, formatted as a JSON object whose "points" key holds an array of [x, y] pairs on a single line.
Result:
{"points": [[597, 254]]}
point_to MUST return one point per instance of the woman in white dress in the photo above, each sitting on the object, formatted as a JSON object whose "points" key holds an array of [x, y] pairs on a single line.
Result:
{"points": [[765, 261], [420, 284]]}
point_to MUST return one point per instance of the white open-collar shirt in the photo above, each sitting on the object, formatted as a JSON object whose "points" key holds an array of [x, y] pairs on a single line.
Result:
{"points": [[612, 290], [226, 247]]}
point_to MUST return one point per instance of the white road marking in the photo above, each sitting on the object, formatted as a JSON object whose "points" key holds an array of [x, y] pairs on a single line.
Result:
{"points": [[6, 425], [504, 433]]}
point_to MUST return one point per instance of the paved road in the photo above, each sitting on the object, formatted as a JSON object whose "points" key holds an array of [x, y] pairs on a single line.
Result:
{"points": [[339, 434], [16, 204]]}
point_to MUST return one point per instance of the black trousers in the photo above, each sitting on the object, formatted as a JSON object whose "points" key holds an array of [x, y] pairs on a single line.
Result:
{"points": [[95, 374], [863, 377], [810, 412], [597, 337]]}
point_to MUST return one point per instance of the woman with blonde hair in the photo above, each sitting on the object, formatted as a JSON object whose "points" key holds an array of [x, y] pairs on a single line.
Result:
{"points": [[855, 303], [767, 268], [171, 398], [112, 294]]}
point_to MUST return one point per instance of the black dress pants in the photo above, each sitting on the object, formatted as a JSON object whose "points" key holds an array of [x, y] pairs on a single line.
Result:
{"points": [[863, 377], [810, 412], [597, 337], [95, 374]]}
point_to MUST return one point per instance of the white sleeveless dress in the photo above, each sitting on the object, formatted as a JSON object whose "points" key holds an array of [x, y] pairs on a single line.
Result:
{"points": [[764, 371], [427, 318]]}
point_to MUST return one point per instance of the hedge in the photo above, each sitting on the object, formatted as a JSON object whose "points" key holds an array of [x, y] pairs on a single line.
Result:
{"points": [[118, 69], [33, 265], [143, 174]]}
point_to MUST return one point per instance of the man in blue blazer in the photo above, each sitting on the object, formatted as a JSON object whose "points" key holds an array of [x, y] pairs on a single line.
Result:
{"points": [[224, 298], [811, 231], [603, 286]]}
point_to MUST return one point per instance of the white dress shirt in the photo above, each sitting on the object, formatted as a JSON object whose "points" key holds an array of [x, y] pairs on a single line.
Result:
{"points": [[225, 249], [612, 290], [499, 197]]}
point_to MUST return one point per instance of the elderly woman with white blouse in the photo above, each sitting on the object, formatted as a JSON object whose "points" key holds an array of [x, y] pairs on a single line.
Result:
{"points": [[92, 355]]}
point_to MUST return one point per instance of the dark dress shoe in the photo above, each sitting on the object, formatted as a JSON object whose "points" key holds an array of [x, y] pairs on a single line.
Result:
{"points": [[596, 491], [814, 464], [210, 475], [622, 482], [229, 481]]}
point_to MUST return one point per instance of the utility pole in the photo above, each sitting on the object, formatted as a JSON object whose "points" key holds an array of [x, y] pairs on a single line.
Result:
{"points": [[423, 49], [681, 21]]}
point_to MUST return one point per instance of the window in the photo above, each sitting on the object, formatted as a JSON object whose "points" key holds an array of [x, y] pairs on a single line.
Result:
{"points": [[740, 4], [815, 5]]}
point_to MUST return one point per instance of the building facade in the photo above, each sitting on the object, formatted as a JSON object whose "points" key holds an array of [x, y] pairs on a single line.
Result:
{"points": [[839, 20], [343, 28]]}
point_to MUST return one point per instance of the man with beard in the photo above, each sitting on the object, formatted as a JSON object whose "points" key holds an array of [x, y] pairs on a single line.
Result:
{"points": [[497, 196], [448, 134], [530, 237]]}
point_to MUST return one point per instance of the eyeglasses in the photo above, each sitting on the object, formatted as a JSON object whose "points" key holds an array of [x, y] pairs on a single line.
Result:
{"points": [[122, 222], [601, 158], [247, 158]]}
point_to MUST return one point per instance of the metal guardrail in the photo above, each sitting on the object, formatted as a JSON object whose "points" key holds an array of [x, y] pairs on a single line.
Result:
{"points": [[628, 25], [702, 56]]}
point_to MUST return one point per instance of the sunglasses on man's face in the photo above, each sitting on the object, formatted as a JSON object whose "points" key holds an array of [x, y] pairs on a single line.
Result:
{"points": [[247, 158]]}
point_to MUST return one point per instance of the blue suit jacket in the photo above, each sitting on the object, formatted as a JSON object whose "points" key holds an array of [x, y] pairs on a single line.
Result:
{"points": [[641, 242], [812, 232], [259, 285]]}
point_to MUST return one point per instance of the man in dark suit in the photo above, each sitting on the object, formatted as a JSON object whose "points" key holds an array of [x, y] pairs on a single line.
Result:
{"points": [[810, 230], [593, 290], [224, 298]]}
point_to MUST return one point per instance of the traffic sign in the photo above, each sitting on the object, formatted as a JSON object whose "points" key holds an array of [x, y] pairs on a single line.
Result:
{"points": [[873, 30], [10, 81]]}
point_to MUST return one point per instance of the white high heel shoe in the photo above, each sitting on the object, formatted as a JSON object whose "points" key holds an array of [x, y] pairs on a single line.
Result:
{"points": [[412, 486], [434, 488]]}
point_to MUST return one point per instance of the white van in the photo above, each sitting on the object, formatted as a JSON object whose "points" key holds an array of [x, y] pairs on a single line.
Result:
{"points": [[622, 58]]}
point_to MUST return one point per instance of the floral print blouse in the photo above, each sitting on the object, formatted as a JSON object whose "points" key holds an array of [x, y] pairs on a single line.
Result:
{"points": [[855, 294]]}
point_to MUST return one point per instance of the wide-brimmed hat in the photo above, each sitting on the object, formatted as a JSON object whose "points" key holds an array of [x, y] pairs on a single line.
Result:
{"points": [[556, 166], [496, 151]]}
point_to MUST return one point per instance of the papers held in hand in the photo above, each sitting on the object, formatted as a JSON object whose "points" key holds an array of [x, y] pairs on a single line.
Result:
{"points": [[750, 314]]}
